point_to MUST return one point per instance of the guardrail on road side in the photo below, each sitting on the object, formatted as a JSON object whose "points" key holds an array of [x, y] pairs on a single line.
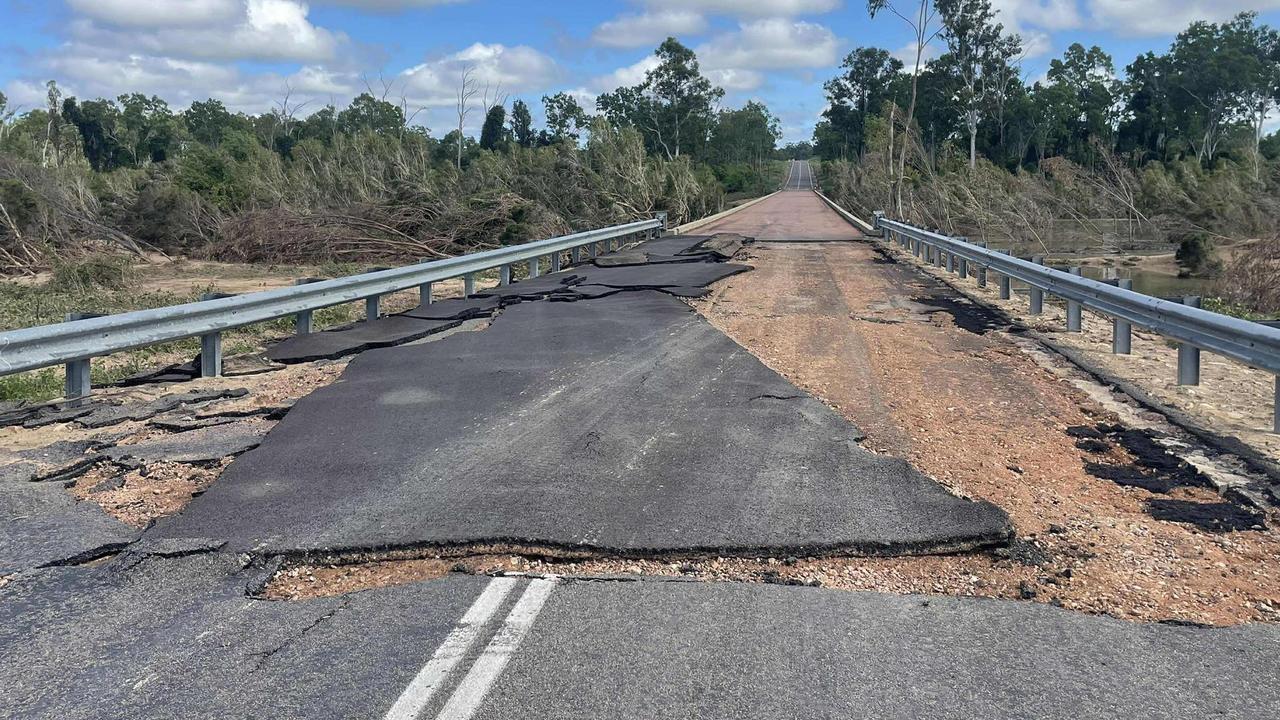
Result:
{"points": [[1251, 343], [75, 342]]}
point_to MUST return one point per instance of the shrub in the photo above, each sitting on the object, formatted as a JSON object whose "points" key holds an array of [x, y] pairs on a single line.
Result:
{"points": [[111, 272], [1196, 254]]}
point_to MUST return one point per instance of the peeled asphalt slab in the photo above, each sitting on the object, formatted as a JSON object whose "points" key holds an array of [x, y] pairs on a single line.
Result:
{"points": [[382, 332], [693, 650], [625, 423], [40, 524], [177, 637]]}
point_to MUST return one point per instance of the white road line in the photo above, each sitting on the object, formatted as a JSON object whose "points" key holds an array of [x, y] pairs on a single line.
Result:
{"points": [[416, 696], [470, 692]]}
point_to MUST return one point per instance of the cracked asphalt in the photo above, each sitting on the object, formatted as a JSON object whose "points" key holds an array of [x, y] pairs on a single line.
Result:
{"points": [[612, 419]]}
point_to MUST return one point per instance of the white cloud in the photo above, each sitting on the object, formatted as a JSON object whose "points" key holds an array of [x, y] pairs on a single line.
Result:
{"points": [[625, 76], [907, 54], [642, 29], [158, 13], [772, 44], [736, 80], [1019, 15], [1158, 17], [261, 30], [515, 69], [759, 8]]}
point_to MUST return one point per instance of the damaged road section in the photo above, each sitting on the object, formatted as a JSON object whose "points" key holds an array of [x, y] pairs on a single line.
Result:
{"points": [[174, 630], [168, 631], [624, 423]]}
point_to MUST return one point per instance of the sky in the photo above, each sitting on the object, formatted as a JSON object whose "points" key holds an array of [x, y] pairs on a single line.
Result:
{"points": [[256, 55]]}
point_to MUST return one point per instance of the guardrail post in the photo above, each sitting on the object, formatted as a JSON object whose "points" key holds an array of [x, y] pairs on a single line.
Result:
{"points": [[211, 345], [211, 355], [424, 290], [1189, 355], [915, 247], [555, 261], [1006, 282], [533, 267], [372, 307], [468, 285], [593, 249], [662, 218], [1121, 330], [1073, 308], [577, 255], [302, 320], [982, 269], [940, 255], [77, 385], [504, 275], [1037, 295], [962, 265]]}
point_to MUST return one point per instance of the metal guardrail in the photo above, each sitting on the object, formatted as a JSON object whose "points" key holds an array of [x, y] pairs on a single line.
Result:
{"points": [[1251, 343], [75, 342]]}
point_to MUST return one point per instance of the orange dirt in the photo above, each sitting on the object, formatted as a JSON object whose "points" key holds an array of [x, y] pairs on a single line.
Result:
{"points": [[984, 419]]}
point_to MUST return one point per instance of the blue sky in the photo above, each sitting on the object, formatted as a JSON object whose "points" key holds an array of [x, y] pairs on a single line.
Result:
{"points": [[259, 54]]}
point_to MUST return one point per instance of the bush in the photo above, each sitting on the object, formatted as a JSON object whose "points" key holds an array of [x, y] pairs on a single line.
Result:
{"points": [[1196, 254], [110, 272]]}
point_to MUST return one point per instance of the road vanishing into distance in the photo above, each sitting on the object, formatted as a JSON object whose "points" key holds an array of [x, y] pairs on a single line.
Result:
{"points": [[593, 416]]}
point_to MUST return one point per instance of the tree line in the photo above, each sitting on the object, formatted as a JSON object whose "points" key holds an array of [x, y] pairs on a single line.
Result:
{"points": [[1207, 98], [1172, 149], [366, 180]]}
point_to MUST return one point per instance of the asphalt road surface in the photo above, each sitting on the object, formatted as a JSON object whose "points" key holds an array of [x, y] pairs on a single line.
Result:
{"points": [[149, 636], [799, 175], [610, 418]]}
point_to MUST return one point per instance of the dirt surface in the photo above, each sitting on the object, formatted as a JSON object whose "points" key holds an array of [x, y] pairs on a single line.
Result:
{"points": [[1232, 399], [868, 337]]}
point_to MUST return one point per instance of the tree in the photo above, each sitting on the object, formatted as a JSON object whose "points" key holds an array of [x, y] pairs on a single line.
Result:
{"points": [[675, 104], [96, 121], [207, 120], [565, 117], [1147, 126], [922, 22], [1088, 77], [522, 124], [857, 94], [493, 135], [978, 50], [145, 128], [467, 89], [367, 113]]}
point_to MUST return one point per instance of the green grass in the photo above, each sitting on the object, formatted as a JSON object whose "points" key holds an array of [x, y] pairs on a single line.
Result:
{"points": [[1218, 305]]}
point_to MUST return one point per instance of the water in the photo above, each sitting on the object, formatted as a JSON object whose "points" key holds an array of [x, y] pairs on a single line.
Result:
{"points": [[1148, 282]]}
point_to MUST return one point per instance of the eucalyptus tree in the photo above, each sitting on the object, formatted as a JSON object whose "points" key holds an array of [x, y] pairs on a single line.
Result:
{"points": [[980, 53]]}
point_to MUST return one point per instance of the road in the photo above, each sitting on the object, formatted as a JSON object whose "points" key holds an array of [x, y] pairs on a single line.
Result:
{"points": [[598, 418], [799, 175]]}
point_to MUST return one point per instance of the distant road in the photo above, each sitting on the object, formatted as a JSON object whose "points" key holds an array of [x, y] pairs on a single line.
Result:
{"points": [[799, 176]]}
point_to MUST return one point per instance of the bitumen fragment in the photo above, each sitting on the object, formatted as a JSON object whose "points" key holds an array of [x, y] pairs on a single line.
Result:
{"points": [[455, 309], [196, 446], [626, 423], [333, 344], [99, 415], [40, 524]]}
